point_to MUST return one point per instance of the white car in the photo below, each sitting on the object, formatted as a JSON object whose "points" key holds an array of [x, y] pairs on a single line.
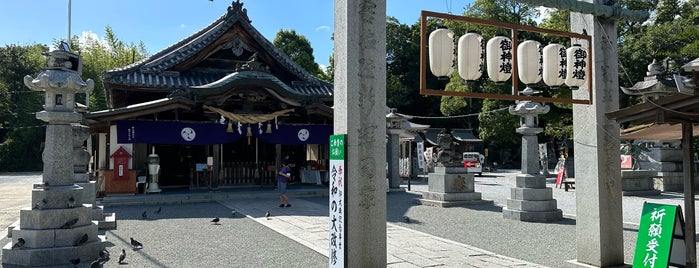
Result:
{"points": [[473, 162]]}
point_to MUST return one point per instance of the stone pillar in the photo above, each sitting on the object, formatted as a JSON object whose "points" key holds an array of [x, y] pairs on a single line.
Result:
{"points": [[360, 101], [531, 200], [598, 178], [393, 154]]}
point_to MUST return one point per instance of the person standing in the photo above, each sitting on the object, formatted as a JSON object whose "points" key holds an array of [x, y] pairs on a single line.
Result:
{"points": [[282, 180]]}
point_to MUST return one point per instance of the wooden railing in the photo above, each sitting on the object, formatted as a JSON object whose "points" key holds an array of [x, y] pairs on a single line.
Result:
{"points": [[247, 173]]}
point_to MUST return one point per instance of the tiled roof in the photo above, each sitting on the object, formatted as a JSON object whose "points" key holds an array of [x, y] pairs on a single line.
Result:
{"points": [[152, 72]]}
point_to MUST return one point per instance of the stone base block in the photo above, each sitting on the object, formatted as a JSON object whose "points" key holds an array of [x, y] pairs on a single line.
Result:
{"points": [[451, 196], [109, 222], [54, 237], [530, 205], [51, 256], [97, 213], [640, 193], [450, 183], [89, 191], [54, 218], [12, 227], [532, 216], [530, 181], [446, 204], [450, 170], [52, 197], [531, 194]]}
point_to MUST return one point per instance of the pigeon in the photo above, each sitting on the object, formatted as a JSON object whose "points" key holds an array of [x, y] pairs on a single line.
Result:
{"points": [[233, 213], [268, 215], [81, 241], [19, 244], [144, 215], [40, 205], [216, 220], [104, 255], [122, 256], [75, 261], [136, 244], [69, 224], [96, 264], [159, 210], [406, 219], [71, 202]]}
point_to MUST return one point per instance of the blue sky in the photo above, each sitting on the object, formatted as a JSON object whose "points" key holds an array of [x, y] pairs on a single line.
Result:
{"points": [[160, 23]]}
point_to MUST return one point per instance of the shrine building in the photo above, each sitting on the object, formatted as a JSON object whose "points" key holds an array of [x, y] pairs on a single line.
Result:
{"points": [[221, 108]]}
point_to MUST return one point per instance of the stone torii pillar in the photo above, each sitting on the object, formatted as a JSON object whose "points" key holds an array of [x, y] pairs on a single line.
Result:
{"points": [[360, 101], [600, 240]]}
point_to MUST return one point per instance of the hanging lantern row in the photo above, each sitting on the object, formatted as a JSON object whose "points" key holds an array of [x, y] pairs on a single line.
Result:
{"points": [[554, 64]]}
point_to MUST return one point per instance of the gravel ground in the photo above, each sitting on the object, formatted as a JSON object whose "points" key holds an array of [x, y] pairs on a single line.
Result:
{"points": [[183, 236]]}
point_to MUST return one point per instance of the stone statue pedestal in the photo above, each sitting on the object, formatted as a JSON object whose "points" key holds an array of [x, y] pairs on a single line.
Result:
{"points": [[532, 201], [451, 186], [638, 182]]}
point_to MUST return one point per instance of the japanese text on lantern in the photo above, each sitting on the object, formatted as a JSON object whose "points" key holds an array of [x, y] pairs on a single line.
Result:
{"points": [[337, 201]]}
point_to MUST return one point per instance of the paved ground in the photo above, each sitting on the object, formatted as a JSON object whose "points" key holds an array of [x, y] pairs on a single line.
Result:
{"points": [[183, 236]]}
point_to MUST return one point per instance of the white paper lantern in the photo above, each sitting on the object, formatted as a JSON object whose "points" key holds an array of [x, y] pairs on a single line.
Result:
{"points": [[576, 66], [441, 52], [499, 58], [529, 62], [554, 65], [471, 56]]}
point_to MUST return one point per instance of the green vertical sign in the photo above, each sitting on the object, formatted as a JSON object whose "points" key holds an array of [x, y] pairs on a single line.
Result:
{"points": [[337, 205], [655, 233]]}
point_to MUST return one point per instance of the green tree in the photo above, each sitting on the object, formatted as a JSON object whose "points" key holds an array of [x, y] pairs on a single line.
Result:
{"points": [[103, 55], [21, 134], [299, 49]]}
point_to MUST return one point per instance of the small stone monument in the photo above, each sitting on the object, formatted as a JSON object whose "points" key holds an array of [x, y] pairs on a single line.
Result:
{"points": [[81, 158], [450, 184], [58, 227]]}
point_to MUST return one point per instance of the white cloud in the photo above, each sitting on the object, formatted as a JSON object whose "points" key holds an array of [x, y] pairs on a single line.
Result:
{"points": [[323, 28], [183, 25], [88, 37]]}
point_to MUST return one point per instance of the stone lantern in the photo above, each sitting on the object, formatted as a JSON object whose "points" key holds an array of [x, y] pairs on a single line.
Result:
{"points": [[57, 228], [153, 170], [394, 123]]}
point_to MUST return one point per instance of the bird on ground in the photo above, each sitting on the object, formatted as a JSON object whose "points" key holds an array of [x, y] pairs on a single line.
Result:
{"points": [[19, 244], [40, 205], [81, 241], [216, 220], [268, 215], [69, 224], [159, 210], [144, 215], [136, 244], [122, 256], [104, 255], [75, 261], [71, 202], [96, 264], [406, 219]]}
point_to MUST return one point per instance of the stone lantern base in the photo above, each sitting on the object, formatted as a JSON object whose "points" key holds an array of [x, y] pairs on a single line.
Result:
{"points": [[52, 229], [451, 186]]}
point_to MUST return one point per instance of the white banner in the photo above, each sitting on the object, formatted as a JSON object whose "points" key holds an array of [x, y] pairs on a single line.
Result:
{"points": [[420, 155]]}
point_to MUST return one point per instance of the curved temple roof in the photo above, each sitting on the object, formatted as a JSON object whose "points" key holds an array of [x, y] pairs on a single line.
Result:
{"points": [[155, 72]]}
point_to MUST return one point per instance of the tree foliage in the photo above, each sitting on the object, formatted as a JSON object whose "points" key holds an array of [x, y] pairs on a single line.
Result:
{"points": [[103, 55], [21, 134], [299, 49]]}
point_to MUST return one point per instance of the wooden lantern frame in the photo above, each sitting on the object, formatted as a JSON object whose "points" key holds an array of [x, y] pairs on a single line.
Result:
{"points": [[514, 28]]}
